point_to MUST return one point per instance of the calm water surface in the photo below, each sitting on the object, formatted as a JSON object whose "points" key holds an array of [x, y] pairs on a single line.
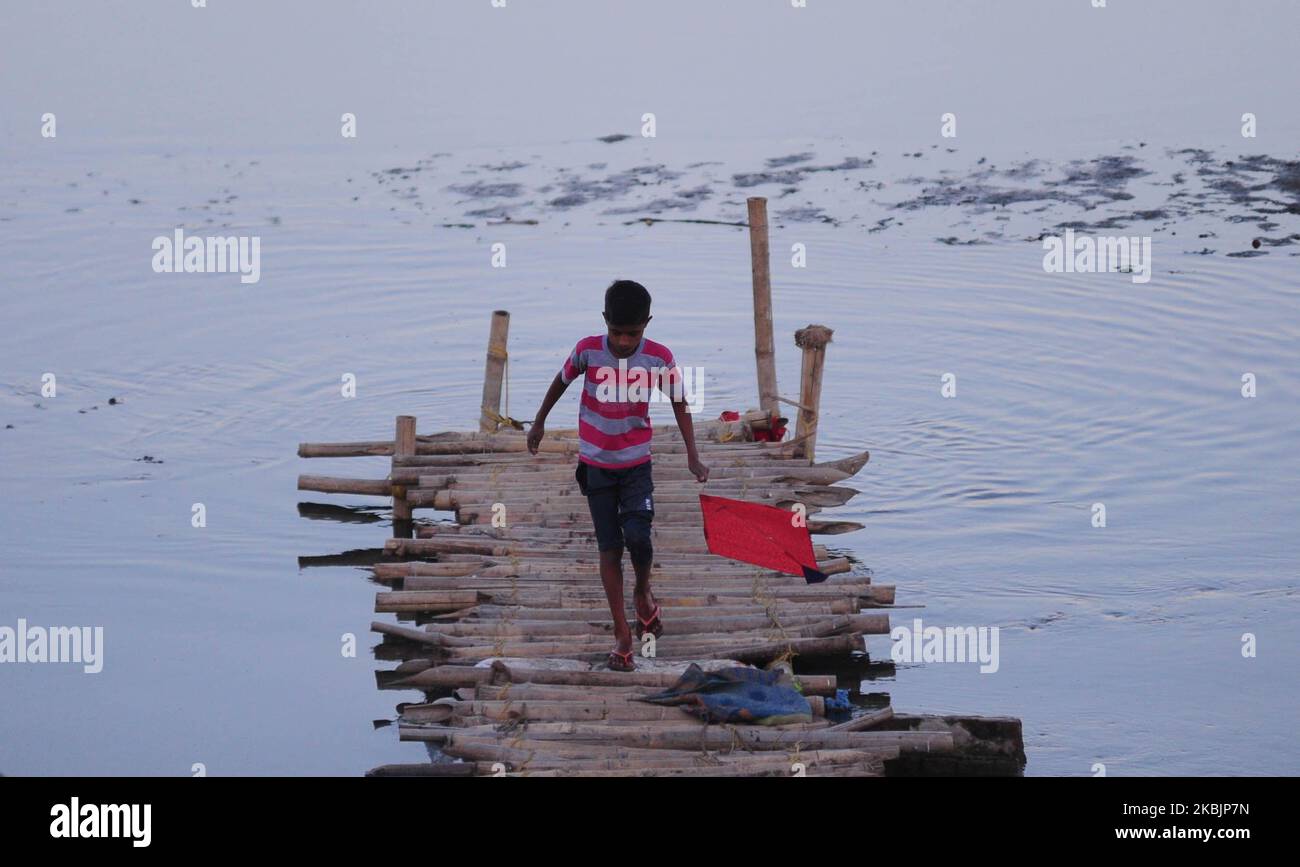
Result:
{"points": [[1118, 645]]}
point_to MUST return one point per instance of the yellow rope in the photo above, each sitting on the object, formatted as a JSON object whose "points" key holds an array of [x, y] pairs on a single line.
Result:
{"points": [[499, 647], [796, 756], [502, 420], [760, 595], [497, 417]]}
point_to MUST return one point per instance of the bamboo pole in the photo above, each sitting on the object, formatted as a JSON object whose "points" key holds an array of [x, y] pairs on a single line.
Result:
{"points": [[336, 485], [506, 547], [571, 539], [565, 645], [482, 746], [764, 472], [679, 490], [778, 462], [684, 541], [458, 488], [760, 266], [417, 600], [523, 599], [511, 443], [404, 444], [752, 650], [581, 561], [580, 567], [711, 431], [553, 692], [526, 754], [866, 721], [572, 646], [446, 676], [568, 577], [872, 624], [494, 371], [576, 516], [671, 559], [543, 537], [671, 582], [733, 607], [547, 711], [449, 496], [709, 737], [485, 723], [812, 340], [677, 580], [562, 577], [541, 501], [369, 448], [425, 769], [873, 767], [515, 454], [812, 639]]}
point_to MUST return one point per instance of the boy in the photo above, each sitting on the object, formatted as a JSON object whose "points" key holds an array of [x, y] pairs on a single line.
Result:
{"points": [[614, 447]]}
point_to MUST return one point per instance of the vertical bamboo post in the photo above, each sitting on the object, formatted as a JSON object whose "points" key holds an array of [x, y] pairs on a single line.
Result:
{"points": [[764, 351], [812, 340], [495, 371], [403, 445]]}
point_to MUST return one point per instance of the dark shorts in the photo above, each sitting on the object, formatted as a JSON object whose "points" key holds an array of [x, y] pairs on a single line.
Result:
{"points": [[618, 499]]}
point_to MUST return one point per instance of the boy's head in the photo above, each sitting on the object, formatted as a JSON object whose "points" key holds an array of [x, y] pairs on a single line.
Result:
{"points": [[627, 312]]}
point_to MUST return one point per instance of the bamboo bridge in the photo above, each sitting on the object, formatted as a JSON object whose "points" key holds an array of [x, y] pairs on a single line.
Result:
{"points": [[498, 622]]}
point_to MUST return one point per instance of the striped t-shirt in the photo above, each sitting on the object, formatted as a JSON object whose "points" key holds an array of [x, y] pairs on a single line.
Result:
{"points": [[614, 412]]}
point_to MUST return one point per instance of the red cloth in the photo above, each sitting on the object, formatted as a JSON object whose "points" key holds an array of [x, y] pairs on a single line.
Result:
{"points": [[775, 433], [759, 534]]}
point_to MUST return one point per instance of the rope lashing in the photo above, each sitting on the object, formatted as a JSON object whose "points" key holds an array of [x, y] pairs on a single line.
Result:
{"points": [[495, 351]]}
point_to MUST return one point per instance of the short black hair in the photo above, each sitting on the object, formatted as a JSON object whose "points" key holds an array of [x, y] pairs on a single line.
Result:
{"points": [[627, 303]]}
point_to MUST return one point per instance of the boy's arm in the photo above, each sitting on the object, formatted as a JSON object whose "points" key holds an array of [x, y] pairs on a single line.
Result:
{"points": [[699, 470], [538, 429]]}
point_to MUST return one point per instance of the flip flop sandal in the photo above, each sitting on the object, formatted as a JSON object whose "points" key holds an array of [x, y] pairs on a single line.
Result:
{"points": [[654, 625], [620, 661]]}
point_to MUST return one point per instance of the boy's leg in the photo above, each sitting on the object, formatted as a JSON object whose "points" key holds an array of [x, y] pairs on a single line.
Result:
{"points": [[602, 499], [611, 576], [636, 526], [636, 515]]}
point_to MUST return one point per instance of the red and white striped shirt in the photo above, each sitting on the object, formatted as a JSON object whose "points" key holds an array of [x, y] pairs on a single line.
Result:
{"points": [[614, 412]]}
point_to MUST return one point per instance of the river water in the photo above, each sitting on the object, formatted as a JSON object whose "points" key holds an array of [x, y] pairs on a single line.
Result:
{"points": [[1119, 645]]}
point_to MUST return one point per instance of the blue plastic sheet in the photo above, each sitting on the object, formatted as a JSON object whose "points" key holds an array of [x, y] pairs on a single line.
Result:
{"points": [[736, 695]]}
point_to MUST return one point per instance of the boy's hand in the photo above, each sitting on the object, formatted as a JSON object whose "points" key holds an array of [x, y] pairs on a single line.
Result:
{"points": [[535, 434], [699, 470]]}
